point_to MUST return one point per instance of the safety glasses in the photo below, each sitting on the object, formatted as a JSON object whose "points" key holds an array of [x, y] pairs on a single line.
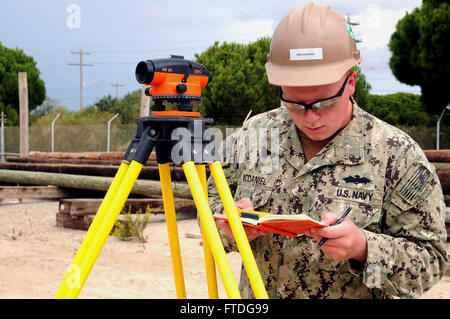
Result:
{"points": [[320, 106]]}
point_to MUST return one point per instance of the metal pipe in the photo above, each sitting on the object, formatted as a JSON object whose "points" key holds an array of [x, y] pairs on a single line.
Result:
{"points": [[109, 132], [53, 131], [2, 146], [438, 126]]}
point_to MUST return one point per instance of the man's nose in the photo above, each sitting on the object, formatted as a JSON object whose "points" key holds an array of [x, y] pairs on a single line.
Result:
{"points": [[311, 115]]}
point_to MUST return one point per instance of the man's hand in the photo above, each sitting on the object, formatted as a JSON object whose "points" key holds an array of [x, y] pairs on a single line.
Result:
{"points": [[252, 233], [345, 241]]}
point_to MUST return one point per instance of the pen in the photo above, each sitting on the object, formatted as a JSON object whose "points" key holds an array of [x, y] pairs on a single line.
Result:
{"points": [[339, 220]]}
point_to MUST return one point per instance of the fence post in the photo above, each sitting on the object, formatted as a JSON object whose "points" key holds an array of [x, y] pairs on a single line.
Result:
{"points": [[53, 131], [23, 113], [109, 132], [438, 125], [2, 141], [145, 103]]}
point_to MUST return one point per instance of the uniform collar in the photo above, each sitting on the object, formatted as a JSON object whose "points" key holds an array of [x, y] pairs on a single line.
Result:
{"points": [[345, 148]]}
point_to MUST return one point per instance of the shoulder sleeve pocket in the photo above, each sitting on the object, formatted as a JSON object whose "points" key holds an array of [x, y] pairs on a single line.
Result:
{"points": [[260, 197], [415, 185]]}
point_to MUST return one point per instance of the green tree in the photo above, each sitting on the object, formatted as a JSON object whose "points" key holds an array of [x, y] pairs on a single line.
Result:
{"points": [[399, 109], [128, 106], [12, 62], [89, 115], [46, 108], [420, 52], [106, 103], [362, 88], [239, 82]]}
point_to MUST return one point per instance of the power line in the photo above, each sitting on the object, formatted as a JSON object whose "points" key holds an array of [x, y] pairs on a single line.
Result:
{"points": [[115, 63], [349, 16], [81, 53]]}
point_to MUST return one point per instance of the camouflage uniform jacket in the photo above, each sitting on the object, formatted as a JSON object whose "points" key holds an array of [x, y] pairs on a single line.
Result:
{"points": [[396, 197]]}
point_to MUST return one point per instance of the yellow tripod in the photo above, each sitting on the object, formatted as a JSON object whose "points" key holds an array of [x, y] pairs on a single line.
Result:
{"points": [[156, 132]]}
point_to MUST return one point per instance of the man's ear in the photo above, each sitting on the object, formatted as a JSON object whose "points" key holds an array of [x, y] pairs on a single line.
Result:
{"points": [[352, 82]]}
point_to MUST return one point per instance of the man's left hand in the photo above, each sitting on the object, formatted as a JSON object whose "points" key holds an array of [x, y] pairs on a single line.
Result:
{"points": [[345, 241]]}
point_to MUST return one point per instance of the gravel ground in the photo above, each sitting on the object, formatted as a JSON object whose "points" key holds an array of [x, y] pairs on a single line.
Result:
{"points": [[35, 254]]}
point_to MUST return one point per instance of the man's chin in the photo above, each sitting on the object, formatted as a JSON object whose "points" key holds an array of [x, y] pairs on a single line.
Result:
{"points": [[315, 136]]}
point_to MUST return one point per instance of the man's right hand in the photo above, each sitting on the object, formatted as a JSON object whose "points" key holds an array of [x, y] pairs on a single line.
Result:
{"points": [[252, 233]]}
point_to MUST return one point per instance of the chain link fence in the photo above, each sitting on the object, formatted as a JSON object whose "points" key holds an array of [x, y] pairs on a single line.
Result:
{"points": [[426, 136], [72, 138], [93, 138]]}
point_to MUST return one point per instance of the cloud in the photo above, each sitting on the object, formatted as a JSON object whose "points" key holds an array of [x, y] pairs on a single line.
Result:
{"points": [[247, 30], [197, 20]]}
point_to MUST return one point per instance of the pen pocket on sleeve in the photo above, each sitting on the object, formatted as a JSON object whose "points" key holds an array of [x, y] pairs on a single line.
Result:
{"points": [[258, 196]]}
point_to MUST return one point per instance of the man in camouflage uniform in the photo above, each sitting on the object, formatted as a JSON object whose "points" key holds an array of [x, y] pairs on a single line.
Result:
{"points": [[331, 154]]}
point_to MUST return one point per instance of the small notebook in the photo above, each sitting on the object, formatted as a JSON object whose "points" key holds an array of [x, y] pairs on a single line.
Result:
{"points": [[288, 225]]}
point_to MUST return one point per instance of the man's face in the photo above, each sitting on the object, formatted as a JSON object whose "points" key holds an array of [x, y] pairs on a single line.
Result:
{"points": [[320, 126]]}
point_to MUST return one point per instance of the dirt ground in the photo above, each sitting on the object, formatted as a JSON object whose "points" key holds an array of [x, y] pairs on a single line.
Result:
{"points": [[35, 254]]}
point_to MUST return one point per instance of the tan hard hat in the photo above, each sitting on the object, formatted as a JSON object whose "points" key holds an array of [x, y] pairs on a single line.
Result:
{"points": [[312, 45]]}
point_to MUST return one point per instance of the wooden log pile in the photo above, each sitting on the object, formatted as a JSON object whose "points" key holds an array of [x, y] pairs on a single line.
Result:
{"points": [[89, 171], [21, 192], [78, 213], [89, 163]]}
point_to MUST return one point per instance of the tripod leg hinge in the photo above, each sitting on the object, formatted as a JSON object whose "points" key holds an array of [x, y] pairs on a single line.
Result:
{"points": [[141, 147]]}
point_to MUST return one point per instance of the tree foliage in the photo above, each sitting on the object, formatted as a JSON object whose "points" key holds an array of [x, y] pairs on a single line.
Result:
{"points": [[239, 81], [362, 88], [99, 112], [399, 109], [47, 107], [421, 52], [127, 107], [12, 62]]}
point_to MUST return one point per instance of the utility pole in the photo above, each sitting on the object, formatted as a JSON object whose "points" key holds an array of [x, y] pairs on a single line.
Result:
{"points": [[117, 88], [145, 103], [81, 73], [23, 113], [349, 17], [353, 24]]}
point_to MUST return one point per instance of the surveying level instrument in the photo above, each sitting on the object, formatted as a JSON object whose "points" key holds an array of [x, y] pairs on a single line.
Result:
{"points": [[173, 80], [166, 77]]}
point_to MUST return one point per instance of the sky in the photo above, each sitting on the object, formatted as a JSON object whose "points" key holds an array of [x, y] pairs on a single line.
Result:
{"points": [[118, 34]]}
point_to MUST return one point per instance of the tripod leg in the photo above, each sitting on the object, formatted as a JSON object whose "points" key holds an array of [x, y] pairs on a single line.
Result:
{"points": [[210, 266], [171, 222], [238, 230], [89, 253], [93, 228], [212, 234]]}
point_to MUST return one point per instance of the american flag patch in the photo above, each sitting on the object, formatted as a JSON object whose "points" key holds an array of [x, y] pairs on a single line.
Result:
{"points": [[416, 184]]}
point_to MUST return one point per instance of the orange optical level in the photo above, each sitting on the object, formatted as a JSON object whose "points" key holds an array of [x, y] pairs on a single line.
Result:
{"points": [[173, 79]]}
